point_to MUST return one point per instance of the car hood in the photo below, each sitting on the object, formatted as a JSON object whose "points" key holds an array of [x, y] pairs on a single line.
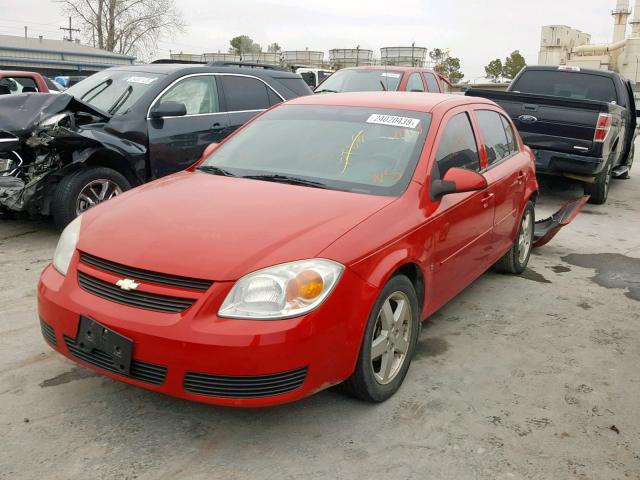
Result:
{"points": [[220, 228]]}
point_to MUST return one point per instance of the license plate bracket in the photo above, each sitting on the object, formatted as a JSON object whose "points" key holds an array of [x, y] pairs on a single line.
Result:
{"points": [[95, 336]]}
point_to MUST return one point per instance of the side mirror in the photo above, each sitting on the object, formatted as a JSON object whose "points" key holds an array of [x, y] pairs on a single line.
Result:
{"points": [[169, 109], [457, 180]]}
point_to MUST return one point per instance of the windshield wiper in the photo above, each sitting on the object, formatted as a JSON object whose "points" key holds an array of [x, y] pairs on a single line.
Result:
{"points": [[215, 170], [286, 179], [328, 90], [106, 84], [121, 99]]}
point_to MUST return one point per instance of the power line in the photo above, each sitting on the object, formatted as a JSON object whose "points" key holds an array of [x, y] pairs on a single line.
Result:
{"points": [[70, 30]]}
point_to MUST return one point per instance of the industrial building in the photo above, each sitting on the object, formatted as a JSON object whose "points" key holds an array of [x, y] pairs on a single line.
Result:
{"points": [[404, 56], [55, 57], [563, 45]]}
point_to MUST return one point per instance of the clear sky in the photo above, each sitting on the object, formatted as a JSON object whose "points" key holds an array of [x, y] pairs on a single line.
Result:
{"points": [[476, 31]]}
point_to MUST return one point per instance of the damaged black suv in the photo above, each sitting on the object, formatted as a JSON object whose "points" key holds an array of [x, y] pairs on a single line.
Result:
{"points": [[62, 154]]}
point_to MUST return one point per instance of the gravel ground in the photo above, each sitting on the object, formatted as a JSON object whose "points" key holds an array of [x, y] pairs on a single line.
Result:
{"points": [[531, 377]]}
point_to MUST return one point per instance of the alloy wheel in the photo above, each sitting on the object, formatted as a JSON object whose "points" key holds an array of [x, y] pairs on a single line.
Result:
{"points": [[96, 192], [525, 237], [391, 337]]}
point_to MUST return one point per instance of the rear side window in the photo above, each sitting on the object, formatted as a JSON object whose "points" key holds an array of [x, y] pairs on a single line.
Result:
{"points": [[295, 85], [414, 84], [10, 85], [567, 84], [432, 83], [494, 135], [245, 93], [457, 146]]}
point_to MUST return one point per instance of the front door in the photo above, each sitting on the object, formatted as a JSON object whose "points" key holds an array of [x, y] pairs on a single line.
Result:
{"points": [[175, 143], [463, 222]]}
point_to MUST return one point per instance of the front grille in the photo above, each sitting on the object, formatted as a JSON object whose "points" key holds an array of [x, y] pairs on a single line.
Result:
{"points": [[48, 333], [244, 387], [145, 275], [141, 371], [144, 300]]}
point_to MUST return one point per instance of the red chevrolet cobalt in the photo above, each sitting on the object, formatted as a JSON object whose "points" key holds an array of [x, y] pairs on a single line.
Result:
{"points": [[302, 252]]}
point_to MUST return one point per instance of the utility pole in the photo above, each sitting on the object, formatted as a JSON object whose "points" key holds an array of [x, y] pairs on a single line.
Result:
{"points": [[70, 30], [25, 32]]}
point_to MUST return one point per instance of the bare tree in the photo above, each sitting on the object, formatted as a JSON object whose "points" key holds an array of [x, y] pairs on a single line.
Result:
{"points": [[129, 27]]}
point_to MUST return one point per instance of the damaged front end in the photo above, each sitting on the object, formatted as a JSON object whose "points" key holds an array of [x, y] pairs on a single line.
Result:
{"points": [[41, 138]]}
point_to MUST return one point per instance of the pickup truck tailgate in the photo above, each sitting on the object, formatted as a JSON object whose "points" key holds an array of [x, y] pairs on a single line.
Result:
{"points": [[552, 123]]}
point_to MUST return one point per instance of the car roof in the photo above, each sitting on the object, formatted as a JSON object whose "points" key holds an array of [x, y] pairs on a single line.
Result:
{"points": [[391, 67], [415, 101], [17, 73], [181, 68]]}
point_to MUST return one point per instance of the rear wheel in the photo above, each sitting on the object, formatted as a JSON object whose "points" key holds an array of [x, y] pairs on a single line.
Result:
{"points": [[517, 258], [599, 189], [83, 189], [388, 344]]}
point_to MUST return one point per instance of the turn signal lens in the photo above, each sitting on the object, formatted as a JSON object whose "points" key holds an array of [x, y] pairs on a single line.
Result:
{"points": [[306, 285]]}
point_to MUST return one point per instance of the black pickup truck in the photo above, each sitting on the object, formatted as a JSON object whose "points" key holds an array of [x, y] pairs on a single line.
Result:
{"points": [[580, 123]]}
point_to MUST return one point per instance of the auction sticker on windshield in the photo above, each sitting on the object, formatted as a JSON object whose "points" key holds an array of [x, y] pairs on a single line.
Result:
{"points": [[393, 120], [390, 75], [143, 80]]}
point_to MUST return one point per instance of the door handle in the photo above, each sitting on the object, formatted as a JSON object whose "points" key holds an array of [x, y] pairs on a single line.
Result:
{"points": [[217, 127], [486, 200]]}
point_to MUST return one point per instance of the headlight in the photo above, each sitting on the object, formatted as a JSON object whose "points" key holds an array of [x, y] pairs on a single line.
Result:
{"points": [[66, 246], [282, 291], [53, 120]]}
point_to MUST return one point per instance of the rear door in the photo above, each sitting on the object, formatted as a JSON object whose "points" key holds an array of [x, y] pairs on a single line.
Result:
{"points": [[505, 169], [175, 143], [244, 96], [463, 222]]}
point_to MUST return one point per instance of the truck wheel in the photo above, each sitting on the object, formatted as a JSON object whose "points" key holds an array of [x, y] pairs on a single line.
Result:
{"points": [[388, 343], [599, 189], [516, 259], [84, 189]]}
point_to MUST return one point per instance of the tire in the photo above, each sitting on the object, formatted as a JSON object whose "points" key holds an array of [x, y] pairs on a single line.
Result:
{"points": [[599, 189], [516, 259], [629, 164], [67, 202], [376, 386]]}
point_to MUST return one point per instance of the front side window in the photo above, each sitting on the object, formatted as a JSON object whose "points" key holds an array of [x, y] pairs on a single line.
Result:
{"points": [[414, 84], [360, 80], [354, 149], [199, 94], [457, 146], [494, 135], [245, 93], [11, 85], [432, 83]]}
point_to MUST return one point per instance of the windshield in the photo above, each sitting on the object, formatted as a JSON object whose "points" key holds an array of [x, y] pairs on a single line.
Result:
{"points": [[114, 91], [361, 81], [582, 86], [364, 150]]}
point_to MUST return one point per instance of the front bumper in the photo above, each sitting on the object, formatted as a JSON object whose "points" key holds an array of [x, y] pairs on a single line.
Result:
{"points": [[198, 356], [559, 163]]}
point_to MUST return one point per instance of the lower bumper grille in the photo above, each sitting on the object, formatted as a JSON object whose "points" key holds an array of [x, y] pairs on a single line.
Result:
{"points": [[141, 371], [245, 386], [48, 333], [147, 301]]}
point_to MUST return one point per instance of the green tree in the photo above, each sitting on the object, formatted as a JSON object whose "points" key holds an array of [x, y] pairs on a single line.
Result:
{"points": [[243, 44], [494, 69], [446, 65], [513, 64], [274, 48]]}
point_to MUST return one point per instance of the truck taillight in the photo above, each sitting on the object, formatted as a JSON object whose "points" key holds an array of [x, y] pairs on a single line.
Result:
{"points": [[602, 127]]}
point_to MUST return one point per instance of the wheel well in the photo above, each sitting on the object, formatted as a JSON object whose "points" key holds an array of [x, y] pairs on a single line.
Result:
{"points": [[105, 158], [534, 197], [414, 274]]}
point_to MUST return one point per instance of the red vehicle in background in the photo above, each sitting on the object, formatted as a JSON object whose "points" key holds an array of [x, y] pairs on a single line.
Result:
{"points": [[383, 78], [24, 82], [302, 252]]}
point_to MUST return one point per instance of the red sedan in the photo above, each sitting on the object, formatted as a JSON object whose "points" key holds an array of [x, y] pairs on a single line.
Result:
{"points": [[303, 252]]}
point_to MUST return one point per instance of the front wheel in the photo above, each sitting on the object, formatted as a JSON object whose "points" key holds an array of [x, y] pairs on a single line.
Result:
{"points": [[388, 344], [84, 189], [516, 259]]}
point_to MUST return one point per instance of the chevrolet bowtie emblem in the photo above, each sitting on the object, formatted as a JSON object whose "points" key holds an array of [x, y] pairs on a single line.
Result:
{"points": [[127, 284]]}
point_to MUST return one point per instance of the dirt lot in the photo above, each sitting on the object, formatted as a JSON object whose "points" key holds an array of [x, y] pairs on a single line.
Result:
{"points": [[516, 378]]}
